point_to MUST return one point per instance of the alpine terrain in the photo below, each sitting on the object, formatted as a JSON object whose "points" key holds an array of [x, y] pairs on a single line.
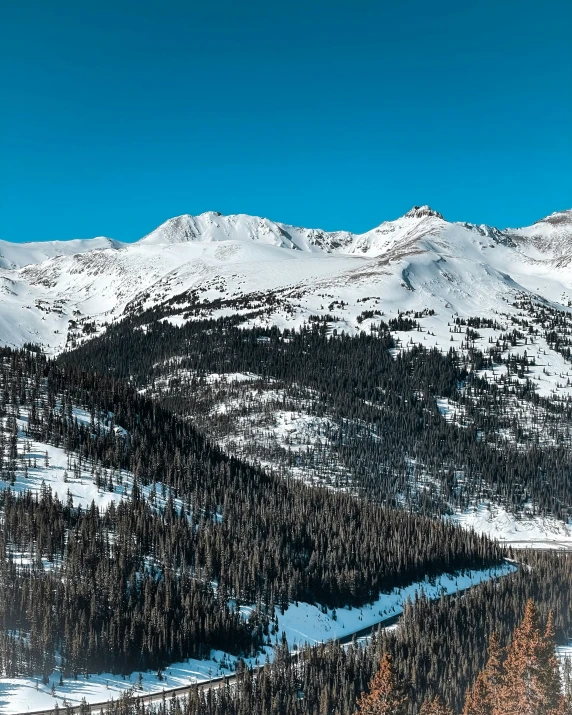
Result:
{"points": [[56, 294], [272, 469]]}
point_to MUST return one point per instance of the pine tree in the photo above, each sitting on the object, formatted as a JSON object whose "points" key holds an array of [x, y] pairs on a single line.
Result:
{"points": [[434, 706], [477, 701], [482, 698], [532, 681], [550, 669], [386, 696]]}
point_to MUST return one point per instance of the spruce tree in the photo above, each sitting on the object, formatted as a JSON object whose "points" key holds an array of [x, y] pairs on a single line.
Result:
{"points": [[532, 683], [550, 671], [386, 696], [482, 698], [434, 706]]}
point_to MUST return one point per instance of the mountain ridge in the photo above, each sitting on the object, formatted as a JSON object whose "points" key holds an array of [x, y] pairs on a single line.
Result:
{"points": [[59, 293], [187, 227]]}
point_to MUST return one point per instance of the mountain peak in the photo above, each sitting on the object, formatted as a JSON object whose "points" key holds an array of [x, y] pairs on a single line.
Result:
{"points": [[422, 212], [178, 229], [558, 217]]}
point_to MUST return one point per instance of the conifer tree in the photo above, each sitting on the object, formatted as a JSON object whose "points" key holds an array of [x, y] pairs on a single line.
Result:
{"points": [[434, 706], [477, 699], [386, 696], [482, 698], [532, 681], [550, 669]]}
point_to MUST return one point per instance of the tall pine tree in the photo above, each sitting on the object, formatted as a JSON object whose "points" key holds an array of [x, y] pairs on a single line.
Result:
{"points": [[435, 706], [531, 683], [482, 698], [386, 695]]}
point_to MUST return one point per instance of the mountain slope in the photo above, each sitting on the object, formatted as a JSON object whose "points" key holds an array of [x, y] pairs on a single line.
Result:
{"points": [[17, 255], [549, 238]]}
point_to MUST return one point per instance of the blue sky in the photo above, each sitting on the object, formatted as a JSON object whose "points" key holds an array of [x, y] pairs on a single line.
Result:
{"points": [[118, 115]]}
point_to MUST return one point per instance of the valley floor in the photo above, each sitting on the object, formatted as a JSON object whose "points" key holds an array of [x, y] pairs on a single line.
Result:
{"points": [[302, 623]]}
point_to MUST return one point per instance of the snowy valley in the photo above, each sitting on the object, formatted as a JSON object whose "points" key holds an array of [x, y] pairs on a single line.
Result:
{"points": [[168, 408]]}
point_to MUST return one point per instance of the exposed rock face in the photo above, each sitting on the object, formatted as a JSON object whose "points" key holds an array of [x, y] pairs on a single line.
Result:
{"points": [[422, 212]]}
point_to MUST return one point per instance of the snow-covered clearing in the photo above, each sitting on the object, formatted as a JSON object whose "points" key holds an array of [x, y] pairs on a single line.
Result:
{"points": [[41, 465], [254, 418], [519, 531]]}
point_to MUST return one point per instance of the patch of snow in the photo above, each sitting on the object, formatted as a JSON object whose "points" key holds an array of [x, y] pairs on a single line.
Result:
{"points": [[519, 531], [61, 473]]}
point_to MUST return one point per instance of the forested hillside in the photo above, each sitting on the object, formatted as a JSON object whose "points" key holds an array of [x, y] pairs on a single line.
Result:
{"points": [[417, 427], [286, 358], [152, 577], [207, 447], [438, 651]]}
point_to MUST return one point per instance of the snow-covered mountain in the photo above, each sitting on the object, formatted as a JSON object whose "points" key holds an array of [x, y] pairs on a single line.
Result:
{"points": [[195, 266], [549, 238]]}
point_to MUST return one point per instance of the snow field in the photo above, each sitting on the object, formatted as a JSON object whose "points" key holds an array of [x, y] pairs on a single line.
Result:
{"points": [[521, 531]]}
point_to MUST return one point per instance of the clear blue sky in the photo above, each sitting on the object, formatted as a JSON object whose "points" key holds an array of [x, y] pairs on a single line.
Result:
{"points": [[117, 115]]}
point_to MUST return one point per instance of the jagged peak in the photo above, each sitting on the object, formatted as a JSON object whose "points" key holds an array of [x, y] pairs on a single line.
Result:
{"points": [[558, 217], [174, 230], [483, 229], [422, 212]]}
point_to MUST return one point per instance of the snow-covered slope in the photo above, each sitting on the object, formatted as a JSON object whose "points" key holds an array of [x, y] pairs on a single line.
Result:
{"points": [[17, 255], [521, 531], [213, 227], [59, 292], [549, 238]]}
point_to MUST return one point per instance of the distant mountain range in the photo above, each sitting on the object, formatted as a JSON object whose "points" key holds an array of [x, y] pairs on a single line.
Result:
{"points": [[60, 293]]}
